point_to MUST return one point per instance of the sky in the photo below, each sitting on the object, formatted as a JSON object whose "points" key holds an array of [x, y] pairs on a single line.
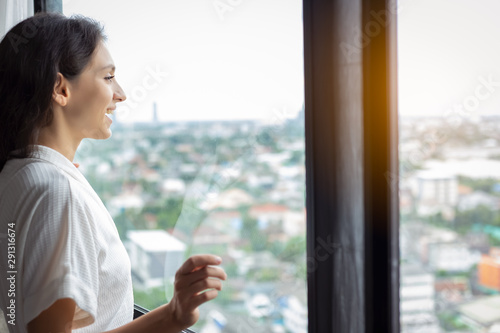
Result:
{"points": [[204, 59], [243, 59], [445, 47]]}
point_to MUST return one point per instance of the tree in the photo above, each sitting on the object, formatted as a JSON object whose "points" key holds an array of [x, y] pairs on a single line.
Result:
{"points": [[151, 298], [250, 230], [294, 249], [464, 220]]}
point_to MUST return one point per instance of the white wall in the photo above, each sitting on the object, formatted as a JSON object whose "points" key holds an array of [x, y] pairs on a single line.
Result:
{"points": [[12, 12], [3, 10]]}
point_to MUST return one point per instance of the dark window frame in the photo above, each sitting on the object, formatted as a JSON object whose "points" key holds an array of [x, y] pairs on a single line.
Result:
{"points": [[47, 6], [351, 164]]}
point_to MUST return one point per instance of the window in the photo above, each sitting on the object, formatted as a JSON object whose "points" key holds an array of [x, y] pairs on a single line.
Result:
{"points": [[352, 165], [207, 153], [449, 181]]}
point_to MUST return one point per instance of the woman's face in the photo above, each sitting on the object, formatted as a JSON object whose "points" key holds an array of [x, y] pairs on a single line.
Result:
{"points": [[93, 94]]}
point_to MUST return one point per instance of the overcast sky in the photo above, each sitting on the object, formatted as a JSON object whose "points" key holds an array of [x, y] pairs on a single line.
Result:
{"points": [[245, 59], [444, 47]]}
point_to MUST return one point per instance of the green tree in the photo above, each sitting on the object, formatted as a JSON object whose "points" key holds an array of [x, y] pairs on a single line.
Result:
{"points": [[150, 299], [294, 249], [123, 224], [464, 220], [478, 184], [250, 230]]}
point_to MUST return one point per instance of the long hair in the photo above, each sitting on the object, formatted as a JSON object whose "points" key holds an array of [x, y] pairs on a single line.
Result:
{"points": [[31, 55]]}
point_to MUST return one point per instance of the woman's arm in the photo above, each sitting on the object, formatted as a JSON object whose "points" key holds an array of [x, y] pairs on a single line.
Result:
{"points": [[194, 276], [57, 318]]}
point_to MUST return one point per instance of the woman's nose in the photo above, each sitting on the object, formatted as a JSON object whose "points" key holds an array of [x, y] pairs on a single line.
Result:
{"points": [[119, 94]]}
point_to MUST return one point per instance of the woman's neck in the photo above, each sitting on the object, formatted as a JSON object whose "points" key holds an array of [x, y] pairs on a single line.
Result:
{"points": [[57, 138]]}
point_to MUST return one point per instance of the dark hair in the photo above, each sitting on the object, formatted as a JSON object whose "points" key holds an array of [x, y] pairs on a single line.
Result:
{"points": [[31, 55]]}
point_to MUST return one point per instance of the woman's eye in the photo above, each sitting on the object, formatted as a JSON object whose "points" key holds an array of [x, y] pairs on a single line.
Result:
{"points": [[109, 78]]}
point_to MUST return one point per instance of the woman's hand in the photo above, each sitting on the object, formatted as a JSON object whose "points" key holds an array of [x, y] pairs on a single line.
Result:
{"points": [[195, 276]]}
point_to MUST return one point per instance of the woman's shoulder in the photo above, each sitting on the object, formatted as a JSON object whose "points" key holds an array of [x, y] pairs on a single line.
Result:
{"points": [[36, 187], [32, 175]]}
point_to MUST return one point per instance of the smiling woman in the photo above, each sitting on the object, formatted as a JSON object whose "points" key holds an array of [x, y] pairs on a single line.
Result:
{"points": [[67, 267], [81, 105]]}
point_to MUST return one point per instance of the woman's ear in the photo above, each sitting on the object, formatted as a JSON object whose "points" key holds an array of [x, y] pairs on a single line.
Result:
{"points": [[60, 94]]}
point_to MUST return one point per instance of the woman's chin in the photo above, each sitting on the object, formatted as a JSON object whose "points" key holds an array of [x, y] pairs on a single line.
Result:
{"points": [[101, 135], [106, 135]]}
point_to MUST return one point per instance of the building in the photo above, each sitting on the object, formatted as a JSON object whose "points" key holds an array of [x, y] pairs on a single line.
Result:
{"points": [[436, 192], [278, 221], [173, 186], [417, 304], [489, 270], [443, 249], [155, 255], [451, 256], [229, 199], [481, 314], [294, 314], [476, 199]]}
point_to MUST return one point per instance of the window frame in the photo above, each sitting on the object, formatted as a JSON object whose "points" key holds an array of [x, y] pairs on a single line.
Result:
{"points": [[352, 166], [48, 6]]}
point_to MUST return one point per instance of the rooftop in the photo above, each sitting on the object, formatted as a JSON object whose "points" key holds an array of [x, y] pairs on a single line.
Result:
{"points": [[155, 240], [483, 311]]}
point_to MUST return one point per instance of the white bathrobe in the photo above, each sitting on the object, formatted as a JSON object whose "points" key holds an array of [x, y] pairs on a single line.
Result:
{"points": [[64, 243]]}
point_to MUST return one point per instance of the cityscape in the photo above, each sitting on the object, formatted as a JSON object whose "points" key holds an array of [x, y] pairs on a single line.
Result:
{"points": [[449, 187], [237, 189]]}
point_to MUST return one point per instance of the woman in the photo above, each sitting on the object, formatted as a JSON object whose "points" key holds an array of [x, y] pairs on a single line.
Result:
{"points": [[64, 265]]}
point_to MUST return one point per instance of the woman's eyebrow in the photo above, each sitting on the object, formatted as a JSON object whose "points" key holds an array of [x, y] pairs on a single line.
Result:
{"points": [[108, 66]]}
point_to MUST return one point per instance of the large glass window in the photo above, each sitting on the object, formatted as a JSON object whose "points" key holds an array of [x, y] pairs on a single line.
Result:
{"points": [[207, 153], [449, 104]]}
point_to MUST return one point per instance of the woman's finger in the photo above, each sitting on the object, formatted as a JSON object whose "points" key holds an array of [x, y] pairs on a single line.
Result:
{"points": [[187, 293], [192, 304], [203, 273], [198, 261], [204, 284], [206, 296]]}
